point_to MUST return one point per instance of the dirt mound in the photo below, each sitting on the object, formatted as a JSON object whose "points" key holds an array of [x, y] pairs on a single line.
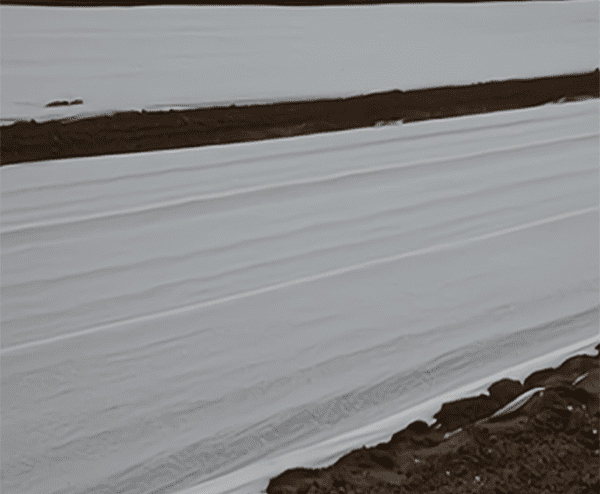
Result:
{"points": [[545, 440]]}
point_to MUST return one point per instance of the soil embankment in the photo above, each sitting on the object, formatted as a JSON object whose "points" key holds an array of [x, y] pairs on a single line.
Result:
{"points": [[485, 444], [128, 132]]}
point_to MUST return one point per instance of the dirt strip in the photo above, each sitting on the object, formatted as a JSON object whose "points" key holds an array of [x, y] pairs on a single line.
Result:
{"points": [[129, 132], [547, 443], [288, 3]]}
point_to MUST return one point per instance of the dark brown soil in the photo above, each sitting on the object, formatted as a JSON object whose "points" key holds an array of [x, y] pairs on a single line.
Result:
{"points": [[549, 444], [64, 103], [129, 132], [291, 3]]}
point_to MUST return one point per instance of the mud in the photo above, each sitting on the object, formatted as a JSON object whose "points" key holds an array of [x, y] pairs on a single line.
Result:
{"points": [[549, 443], [129, 132]]}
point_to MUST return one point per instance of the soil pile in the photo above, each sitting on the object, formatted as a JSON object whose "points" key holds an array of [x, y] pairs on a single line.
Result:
{"points": [[129, 132], [538, 436]]}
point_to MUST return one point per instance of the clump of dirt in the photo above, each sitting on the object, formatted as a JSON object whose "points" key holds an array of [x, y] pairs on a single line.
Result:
{"points": [[129, 132], [547, 442], [64, 103]]}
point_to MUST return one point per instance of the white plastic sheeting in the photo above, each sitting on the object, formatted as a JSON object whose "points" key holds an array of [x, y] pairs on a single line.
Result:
{"points": [[164, 57], [169, 317]]}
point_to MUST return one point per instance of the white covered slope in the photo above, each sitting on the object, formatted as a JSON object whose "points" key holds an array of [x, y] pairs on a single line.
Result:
{"points": [[169, 317], [169, 57]]}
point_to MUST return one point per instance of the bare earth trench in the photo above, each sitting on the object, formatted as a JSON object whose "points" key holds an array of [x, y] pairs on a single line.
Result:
{"points": [[127, 132]]}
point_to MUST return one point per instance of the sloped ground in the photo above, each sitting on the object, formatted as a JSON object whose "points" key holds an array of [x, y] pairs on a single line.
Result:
{"points": [[233, 303], [547, 444]]}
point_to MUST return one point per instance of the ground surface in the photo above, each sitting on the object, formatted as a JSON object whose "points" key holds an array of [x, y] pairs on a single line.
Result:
{"points": [[222, 306], [550, 444], [118, 59], [173, 319], [135, 132]]}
